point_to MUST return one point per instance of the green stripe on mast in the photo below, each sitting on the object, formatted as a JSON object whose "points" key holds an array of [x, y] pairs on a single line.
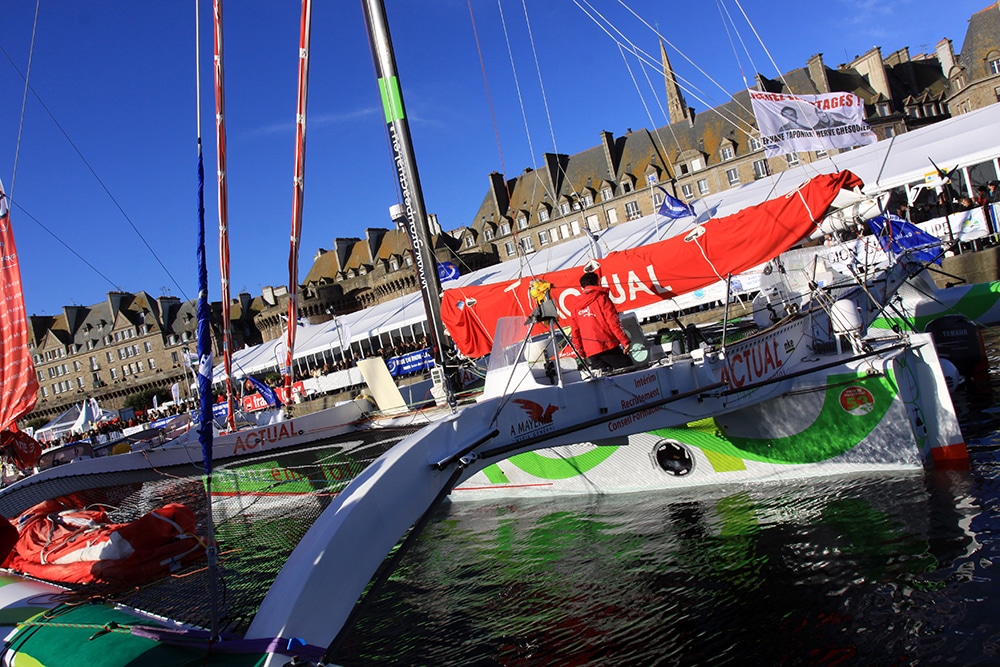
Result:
{"points": [[392, 100]]}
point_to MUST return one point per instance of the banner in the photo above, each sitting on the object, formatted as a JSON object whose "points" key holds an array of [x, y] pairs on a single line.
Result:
{"points": [[411, 362], [17, 371], [796, 123]]}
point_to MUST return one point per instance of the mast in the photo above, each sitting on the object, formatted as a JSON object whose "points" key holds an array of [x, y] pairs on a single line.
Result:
{"points": [[220, 139], [409, 185], [205, 367], [305, 30]]}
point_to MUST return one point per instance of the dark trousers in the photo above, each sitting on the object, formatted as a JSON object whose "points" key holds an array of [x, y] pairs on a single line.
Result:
{"points": [[610, 360]]}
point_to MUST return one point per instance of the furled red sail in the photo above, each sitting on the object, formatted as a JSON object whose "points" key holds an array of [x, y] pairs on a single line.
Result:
{"points": [[17, 371], [657, 271]]}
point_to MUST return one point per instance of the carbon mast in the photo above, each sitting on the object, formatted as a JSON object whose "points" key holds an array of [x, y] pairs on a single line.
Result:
{"points": [[412, 196]]}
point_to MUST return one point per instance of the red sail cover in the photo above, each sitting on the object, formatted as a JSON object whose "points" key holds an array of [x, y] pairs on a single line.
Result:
{"points": [[657, 271], [58, 542], [17, 372]]}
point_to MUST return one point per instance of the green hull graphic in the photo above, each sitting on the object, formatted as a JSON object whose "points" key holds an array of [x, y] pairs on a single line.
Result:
{"points": [[851, 414], [974, 304]]}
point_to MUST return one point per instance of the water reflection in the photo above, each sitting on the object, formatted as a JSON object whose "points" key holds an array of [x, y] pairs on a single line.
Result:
{"points": [[863, 570]]}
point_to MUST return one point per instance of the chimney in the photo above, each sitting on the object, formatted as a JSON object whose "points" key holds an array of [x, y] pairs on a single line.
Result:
{"points": [[498, 190], [817, 72], [610, 155], [946, 56]]}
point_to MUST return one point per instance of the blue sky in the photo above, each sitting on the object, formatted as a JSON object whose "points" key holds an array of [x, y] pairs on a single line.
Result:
{"points": [[103, 159]]}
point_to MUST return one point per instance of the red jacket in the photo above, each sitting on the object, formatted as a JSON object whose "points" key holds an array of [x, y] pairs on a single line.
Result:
{"points": [[595, 322]]}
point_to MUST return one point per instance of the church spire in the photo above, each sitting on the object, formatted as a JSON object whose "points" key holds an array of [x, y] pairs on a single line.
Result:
{"points": [[676, 106]]}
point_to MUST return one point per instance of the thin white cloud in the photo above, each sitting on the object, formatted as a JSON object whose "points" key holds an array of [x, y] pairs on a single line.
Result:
{"points": [[316, 120]]}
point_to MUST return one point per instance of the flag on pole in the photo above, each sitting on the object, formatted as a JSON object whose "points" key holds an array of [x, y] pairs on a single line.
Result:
{"points": [[897, 235], [674, 208]]}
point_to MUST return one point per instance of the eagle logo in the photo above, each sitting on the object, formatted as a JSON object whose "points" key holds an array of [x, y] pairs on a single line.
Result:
{"points": [[535, 410]]}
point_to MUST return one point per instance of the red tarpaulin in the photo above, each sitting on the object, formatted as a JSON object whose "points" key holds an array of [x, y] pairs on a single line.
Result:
{"points": [[657, 271]]}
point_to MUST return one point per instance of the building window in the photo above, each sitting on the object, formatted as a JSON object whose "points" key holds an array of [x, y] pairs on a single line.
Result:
{"points": [[632, 210], [657, 199], [77, 366], [488, 233], [563, 232], [792, 159], [543, 237], [152, 364], [543, 215], [612, 216], [685, 170], [408, 259], [148, 346], [703, 186], [821, 153], [527, 244], [996, 93], [564, 208], [761, 169], [593, 224], [574, 227], [651, 179], [755, 144], [626, 187], [173, 358], [890, 132], [727, 153], [588, 200], [522, 222], [995, 66], [114, 373], [576, 205], [504, 228], [687, 191], [469, 242], [509, 247], [696, 164], [79, 384], [111, 357], [393, 266], [733, 176], [606, 194], [883, 108]]}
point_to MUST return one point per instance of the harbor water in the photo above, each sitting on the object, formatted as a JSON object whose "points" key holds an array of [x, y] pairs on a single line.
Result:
{"points": [[887, 569]]}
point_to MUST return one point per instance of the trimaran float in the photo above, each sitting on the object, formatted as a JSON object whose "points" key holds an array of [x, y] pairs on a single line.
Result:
{"points": [[294, 535]]}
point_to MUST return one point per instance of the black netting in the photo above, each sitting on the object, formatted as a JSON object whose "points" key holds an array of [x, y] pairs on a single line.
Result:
{"points": [[262, 505]]}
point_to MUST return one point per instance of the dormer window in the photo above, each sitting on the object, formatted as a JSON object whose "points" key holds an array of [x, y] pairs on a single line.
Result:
{"points": [[504, 228], [607, 193], [543, 215], [469, 241], [394, 264], [588, 199], [727, 153], [564, 208], [883, 108], [522, 222], [488, 233]]}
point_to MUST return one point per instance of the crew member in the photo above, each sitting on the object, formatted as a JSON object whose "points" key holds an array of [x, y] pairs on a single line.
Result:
{"points": [[597, 333]]}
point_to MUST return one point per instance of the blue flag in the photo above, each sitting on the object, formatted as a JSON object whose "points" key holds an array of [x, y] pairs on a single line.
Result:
{"points": [[674, 208], [447, 271], [897, 235], [265, 392]]}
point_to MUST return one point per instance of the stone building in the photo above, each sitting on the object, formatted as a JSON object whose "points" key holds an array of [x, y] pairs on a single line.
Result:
{"points": [[128, 343], [974, 77]]}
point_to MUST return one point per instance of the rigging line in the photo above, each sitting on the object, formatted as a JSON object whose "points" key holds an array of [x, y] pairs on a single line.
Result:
{"points": [[24, 100], [674, 47], [65, 245], [538, 71], [729, 36], [685, 85], [486, 84], [94, 173], [763, 46]]}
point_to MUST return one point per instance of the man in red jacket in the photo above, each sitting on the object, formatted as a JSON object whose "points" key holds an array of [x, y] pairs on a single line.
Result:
{"points": [[597, 333]]}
